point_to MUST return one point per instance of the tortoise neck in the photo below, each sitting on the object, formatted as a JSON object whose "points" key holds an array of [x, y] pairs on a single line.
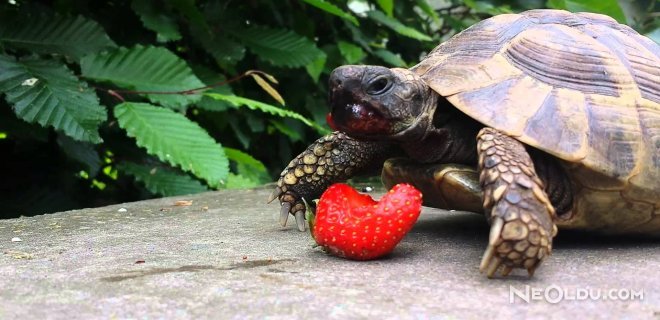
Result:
{"points": [[450, 137]]}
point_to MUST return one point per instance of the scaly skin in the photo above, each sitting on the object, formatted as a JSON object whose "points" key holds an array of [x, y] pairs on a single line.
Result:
{"points": [[517, 207], [333, 158]]}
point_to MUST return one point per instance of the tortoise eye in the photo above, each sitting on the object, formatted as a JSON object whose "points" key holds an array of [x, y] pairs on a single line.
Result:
{"points": [[378, 85]]}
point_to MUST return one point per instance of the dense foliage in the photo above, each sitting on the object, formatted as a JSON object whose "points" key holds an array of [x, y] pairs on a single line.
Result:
{"points": [[109, 101]]}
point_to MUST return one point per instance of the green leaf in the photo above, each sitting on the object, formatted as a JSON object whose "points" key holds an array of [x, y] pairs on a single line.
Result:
{"points": [[287, 130], [351, 53], [160, 180], [156, 20], [245, 160], [235, 181], [280, 47], [192, 13], [428, 10], [82, 152], [247, 168], [47, 92], [387, 6], [390, 58], [241, 132], [145, 69], [397, 26], [332, 9], [211, 78], [487, 7], [70, 36], [608, 7], [315, 68], [263, 107], [224, 50], [174, 139]]}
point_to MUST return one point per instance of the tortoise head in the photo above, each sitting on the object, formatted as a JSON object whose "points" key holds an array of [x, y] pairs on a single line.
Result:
{"points": [[373, 102]]}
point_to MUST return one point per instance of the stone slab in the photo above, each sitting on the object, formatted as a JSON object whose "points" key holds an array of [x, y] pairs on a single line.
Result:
{"points": [[225, 257]]}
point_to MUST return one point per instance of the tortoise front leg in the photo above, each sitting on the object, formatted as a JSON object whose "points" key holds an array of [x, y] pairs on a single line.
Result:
{"points": [[333, 158], [516, 205]]}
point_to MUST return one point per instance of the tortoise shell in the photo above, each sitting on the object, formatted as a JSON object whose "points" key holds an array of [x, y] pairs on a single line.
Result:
{"points": [[580, 87]]}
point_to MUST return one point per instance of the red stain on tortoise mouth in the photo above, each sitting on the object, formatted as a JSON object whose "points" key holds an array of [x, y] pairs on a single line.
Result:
{"points": [[355, 118], [351, 112], [331, 122]]}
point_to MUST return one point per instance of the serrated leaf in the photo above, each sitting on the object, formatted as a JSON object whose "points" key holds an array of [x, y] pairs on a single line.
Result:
{"points": [[268, 88], [397, 26], [315, 68], [145, 69], [332, 9], [174, 139], [225, 51], [71, 36], [159, 180], [390, 58], [264, 107], [280, 47], [154, 19], [47, 92], [81, 152], [351, 53], [608, 7], [387, 6]]}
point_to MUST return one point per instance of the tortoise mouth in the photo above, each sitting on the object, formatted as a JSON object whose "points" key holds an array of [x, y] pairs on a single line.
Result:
{"points": [[356, 116]]}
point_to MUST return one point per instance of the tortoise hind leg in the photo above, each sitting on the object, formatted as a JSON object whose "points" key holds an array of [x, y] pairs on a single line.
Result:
{"points": [[516, 205]]}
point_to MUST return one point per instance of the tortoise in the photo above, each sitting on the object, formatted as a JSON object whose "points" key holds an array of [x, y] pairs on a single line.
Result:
{"points": [[539, 119]]}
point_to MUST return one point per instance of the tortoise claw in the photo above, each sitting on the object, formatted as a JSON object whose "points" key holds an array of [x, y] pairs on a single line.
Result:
{"points": [[490, 262], [300, 220], [530, 271], [506, 270], [284, 213], [276, 193], [489, 255], [494, 265], [485, 260], [508, 250]]}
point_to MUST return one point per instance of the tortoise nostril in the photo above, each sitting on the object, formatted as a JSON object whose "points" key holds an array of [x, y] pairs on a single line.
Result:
{"points": [[335, 80]]}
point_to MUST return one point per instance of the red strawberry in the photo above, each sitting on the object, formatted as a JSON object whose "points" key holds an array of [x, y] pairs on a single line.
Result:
{"points": [[355, 226]]}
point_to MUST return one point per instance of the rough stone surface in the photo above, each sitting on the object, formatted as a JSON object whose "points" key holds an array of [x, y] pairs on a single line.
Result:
{"points": [[224, 256]]}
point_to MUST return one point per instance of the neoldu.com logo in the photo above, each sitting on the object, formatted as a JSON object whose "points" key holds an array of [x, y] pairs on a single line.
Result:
{"points": [[555, 294]]}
